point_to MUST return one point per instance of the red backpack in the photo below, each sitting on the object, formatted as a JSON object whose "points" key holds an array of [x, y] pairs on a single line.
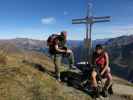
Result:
{"points": [[51, 39]]}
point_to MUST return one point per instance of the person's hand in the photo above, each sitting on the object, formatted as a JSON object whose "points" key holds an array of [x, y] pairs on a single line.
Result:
{"points": [[69, 51], [102, 73]]}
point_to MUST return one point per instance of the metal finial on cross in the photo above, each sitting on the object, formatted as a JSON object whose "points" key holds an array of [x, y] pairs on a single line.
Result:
{"points": [[89, 20]]}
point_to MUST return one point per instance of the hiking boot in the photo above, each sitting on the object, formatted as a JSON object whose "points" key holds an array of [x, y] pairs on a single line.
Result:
{"points": [[96, 93], [105, 92], [110, 90]]}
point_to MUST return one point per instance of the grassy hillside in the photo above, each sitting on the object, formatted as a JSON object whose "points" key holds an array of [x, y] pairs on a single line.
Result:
{"points": [[28, 76]]}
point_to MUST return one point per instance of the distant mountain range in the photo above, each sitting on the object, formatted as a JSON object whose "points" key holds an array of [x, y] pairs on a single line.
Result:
{"points": [[120, 50], [26, 44], [120, 41], [78, 43], [40, 45]]}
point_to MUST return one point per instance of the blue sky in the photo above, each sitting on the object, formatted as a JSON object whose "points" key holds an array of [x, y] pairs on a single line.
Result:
{"points": [[38, 19]]}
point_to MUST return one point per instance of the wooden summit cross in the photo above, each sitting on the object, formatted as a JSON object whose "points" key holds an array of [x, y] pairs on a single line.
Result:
{"points": [[89, 20]]}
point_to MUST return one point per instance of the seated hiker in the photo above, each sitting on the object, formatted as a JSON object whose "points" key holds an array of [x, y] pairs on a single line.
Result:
{"points": [[100, 58], [58, 49]]}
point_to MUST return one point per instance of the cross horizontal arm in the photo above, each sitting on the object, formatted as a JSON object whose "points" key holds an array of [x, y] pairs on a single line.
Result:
{"points": [[89, 22], [100, 21], [92, 18], [103, 17], [82, 19], [79, 23]]}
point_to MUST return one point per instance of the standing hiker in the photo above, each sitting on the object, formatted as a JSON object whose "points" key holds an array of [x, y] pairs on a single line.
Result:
{"points": [[58, 49]]}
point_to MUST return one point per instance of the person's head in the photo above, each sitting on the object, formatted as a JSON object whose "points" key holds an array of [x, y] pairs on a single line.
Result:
{"points": [[64, 35], [99, 49]]}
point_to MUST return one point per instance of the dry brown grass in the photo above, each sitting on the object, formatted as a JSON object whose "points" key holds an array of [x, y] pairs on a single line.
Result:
{"points": [[3, 57], [21, 81]]}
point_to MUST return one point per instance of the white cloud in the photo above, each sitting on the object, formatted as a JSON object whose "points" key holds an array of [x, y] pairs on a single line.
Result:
{"points": [[48, 20]]}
